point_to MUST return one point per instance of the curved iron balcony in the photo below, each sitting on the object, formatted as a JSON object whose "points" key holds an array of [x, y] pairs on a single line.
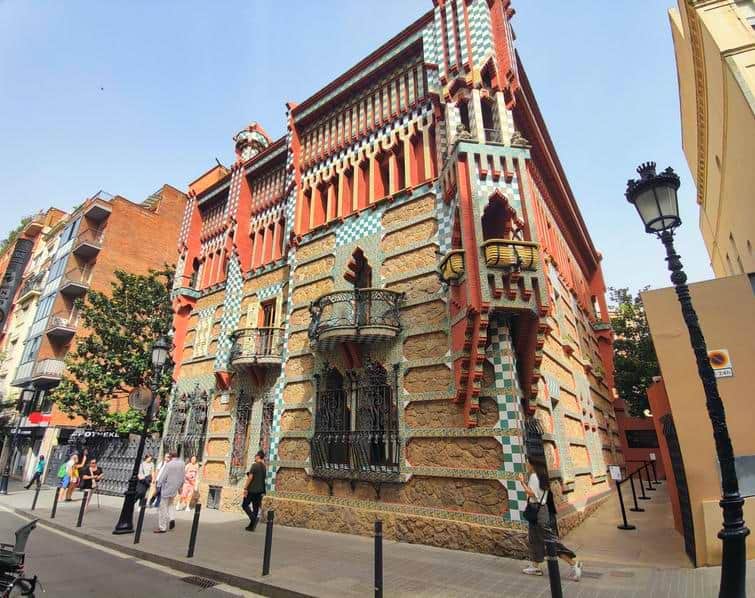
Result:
{"points": [[371, 455], [359, 315], [257, 346]]}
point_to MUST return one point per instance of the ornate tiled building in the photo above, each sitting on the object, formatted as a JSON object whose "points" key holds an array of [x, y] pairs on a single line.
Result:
{"points": [[397, 300]]}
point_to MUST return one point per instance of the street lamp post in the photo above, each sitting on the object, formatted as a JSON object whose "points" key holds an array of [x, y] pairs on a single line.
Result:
{"points": [[654, 196], [160, 351]]}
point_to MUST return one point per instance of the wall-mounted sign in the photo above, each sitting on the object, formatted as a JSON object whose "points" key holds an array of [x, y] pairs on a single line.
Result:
{"points": [[615, 472], [652, 456], [721, 363]]}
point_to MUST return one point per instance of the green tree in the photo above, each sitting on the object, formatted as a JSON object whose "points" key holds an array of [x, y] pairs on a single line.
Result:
{"points": [[634, 359], [114, 354], [13, 235]]}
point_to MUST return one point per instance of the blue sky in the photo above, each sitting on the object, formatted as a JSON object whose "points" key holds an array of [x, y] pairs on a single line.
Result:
{"points": [[128, 96]]}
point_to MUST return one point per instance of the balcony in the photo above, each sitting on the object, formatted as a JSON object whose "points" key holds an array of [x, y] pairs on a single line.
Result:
{"points": [[76, 282], [493, 136], [32, 288], [358, 316], [62, 326], [98, 210], [88, 243], [452, 265], [257, 347], [48, 370], [511, 254], [361, 455]]}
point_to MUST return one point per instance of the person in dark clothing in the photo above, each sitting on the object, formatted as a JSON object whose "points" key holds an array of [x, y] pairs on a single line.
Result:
{"points": [[254, 489], [38, 471], [90, 476]]}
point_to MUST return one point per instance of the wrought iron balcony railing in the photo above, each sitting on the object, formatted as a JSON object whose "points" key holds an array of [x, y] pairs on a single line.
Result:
{"points": [[511, 253], [50, 369], [89, 242], [257, 346], [371, 455], [359, 315], [493, 136], [32, 286]]}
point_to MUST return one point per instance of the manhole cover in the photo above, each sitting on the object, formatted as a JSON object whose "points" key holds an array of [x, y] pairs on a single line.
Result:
{"points": [[202, 582]]}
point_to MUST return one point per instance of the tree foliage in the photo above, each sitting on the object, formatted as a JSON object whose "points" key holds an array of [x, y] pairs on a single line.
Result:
{"points": [[114, 354], [13, 235], [635, 362]]}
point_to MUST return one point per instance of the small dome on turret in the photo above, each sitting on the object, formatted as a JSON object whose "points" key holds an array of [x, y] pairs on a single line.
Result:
{"points": [[250, 141]]}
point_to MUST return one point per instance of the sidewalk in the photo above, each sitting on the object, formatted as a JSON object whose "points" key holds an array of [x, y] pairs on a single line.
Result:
{"points": [[313, 563]]}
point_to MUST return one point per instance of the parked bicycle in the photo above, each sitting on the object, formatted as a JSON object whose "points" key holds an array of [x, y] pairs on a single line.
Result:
{"points": [[12, 557]]}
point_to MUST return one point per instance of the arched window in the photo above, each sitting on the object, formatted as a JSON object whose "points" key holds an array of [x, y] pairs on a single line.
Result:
{"points": [[499, 219]]}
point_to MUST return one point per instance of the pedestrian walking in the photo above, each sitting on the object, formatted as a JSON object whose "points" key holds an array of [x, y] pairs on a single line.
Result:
{"points": [[64, 474], [38, 471], [540, 530], [169, 482], [144, 477], [254, 489], [154, 500], [90, 477], [75, 474], [191, 475]]}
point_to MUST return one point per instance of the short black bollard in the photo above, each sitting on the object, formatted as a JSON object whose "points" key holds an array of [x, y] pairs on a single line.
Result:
{"points": [[655, 475], [378, 559], [647, 475], [83, 508], [36, 496], [636, 507], [140, 520], [268, 543], [642, 485], [194, 529], [624, 525], [554, 575], [55, 503]]}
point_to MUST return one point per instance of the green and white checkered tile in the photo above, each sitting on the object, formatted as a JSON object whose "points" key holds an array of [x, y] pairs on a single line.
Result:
{"points": [[500, 354], [445, 214], [234, 191], [559, 427], [366, 223], [486, 186], [234, 292], [480, 31], [188, 211]]}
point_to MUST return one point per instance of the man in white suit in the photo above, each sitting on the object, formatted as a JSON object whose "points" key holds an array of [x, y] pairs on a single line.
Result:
{"points": [[169, 483]]}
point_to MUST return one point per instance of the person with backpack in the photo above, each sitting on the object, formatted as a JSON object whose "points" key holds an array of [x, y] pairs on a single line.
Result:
{"points": [[38, 471], [538, 517], [65, 471]]}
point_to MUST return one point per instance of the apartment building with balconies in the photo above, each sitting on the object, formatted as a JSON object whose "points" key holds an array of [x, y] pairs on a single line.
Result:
{"points": [[104, 234], [397, 300]]}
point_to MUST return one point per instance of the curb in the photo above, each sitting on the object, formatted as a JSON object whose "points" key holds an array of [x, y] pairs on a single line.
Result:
{"points": [[244, 583]]}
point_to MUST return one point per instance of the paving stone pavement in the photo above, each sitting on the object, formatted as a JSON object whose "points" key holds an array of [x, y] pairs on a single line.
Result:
{"points": [[314, 563]]}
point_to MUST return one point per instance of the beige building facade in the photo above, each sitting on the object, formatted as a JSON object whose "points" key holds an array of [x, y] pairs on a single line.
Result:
{"points": [[726, 309], [714, 42]]}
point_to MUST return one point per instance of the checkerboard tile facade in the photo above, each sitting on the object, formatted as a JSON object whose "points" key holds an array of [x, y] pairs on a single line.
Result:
{"points": [[234, 292], [367, 223], [480, 31], [559, 427], [445, 213], [500, 354]]}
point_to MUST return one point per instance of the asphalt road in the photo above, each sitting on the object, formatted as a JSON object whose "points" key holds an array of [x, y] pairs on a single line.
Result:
{"points": [[73, 568]]}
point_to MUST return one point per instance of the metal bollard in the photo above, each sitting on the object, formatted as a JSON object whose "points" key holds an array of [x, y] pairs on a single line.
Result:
{"points": [[642, 485], [378, 559], [268, 543], [554, 575], [655, 475], [636, 507], [55, 503], [140, 520], [647, 475], [36, 496], [194, 529], [83, 508], [624, 525]]}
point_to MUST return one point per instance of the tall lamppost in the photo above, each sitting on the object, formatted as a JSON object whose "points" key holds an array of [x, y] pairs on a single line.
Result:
{"points": [[160, 352], [654, 196]]}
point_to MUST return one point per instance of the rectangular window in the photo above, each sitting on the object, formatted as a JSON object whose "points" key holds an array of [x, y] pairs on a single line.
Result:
{"points": [[642, 439]]}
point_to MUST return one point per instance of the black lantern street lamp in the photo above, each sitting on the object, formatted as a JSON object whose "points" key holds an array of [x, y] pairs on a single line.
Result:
{"points": [[654, 196], [160, 352]]}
